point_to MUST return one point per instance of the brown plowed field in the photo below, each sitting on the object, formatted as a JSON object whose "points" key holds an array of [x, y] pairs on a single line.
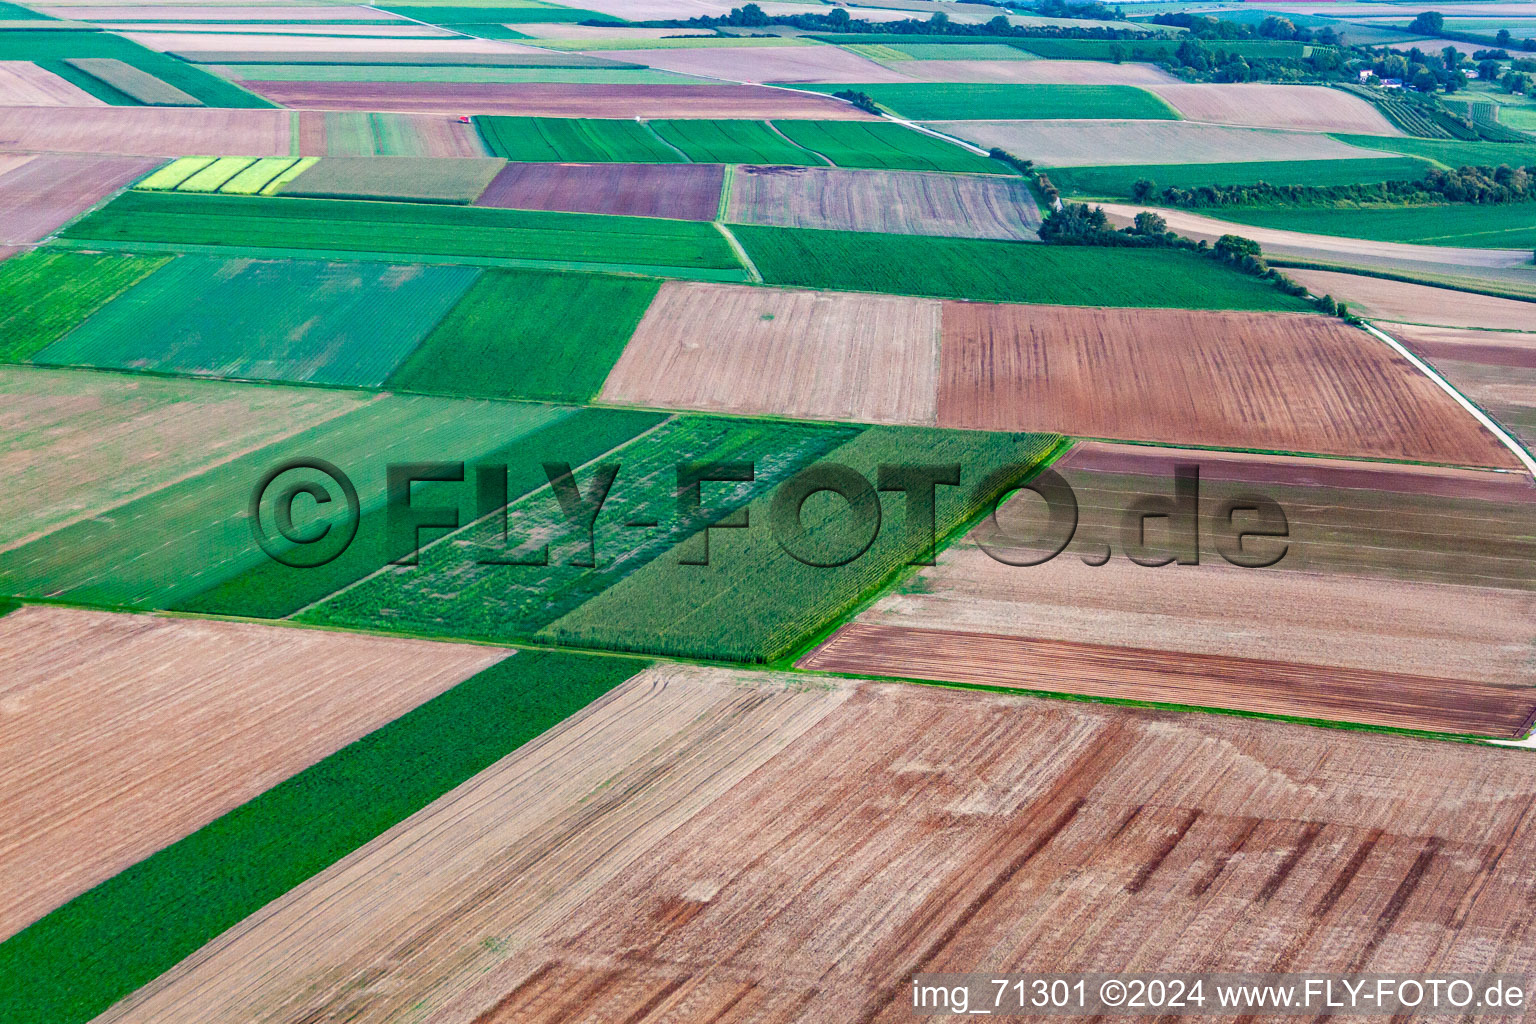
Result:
{"points": [[124, 733], [41, 195], [145, 131], [812, 355], [1513, 349], [884, 831], [682, 191], [24, 84], [547, 99], [790, 64], [898, 202], [1495, 369], [1128, 673], [1417, 303], [1284, 382], [1261, 105], [1046, 72]]}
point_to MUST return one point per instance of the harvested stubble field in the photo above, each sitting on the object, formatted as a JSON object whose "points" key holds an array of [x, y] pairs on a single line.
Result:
{"points": [[1286, 383], [342, 225], [295, 320], [78, 444], [340, 133], [997, 271], [1312, 108], [146, 131], [1030, 835], [788, 64], [130, 732], [896, 202], [679, 191], [424, 179], [41, 193], [1417, 303], [553, 99], [1044, 72], [808, 355], [1096, 143], [24, 84]]}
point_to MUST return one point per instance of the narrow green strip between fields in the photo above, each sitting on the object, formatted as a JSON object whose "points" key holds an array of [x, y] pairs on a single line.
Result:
{"points": [[74, 963]]}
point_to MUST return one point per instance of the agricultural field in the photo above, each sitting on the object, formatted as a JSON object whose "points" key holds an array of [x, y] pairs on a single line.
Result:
{"points": [[139, 86], [1419, 304], [260, 222], [883, 146], [1299, 107], [46, 293], [995, 102], [1116, 181], [1464, 226], [38, 194], [496, 342], [54, 50], [145, 131], [616, 74], [806, 355], [992, 271], [782, 64], [1065, 143], [420, 179], [985, 68], [709, 774], [894, 202], [574, 140], [731, 142], [291, 320], [678, 191], [1274, 382], [23, 84], [1495, 369], [338, 133], [1449, 152]]}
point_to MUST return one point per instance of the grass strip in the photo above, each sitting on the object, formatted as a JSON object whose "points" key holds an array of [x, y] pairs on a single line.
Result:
{"points": [[74, 963]]}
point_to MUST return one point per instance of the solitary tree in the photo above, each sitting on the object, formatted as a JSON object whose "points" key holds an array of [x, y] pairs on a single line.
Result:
{"points": [[1428, 24]]}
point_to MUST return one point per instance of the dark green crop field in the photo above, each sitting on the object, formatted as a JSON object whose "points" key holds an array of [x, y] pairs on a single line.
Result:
{"points": [[732, 142], [576, 140], [882, 145], [339, 225], [72, 964], [963, 268], [951, 101], [1503, 226], [46, 292], [51, 49]]}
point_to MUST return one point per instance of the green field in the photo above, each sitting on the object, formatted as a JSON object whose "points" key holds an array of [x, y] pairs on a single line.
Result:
{"points": [[1449, 152], [1510, 226], [419, 178], [754, 602], [943, 51], [1153, 49], [527, 334], [982, 270], [72, 964], [271, 590], [46, 292], [732, 142], [882, 145], [949, 101], [53, 49], [293, 320], [1117, 181], [340, 225], [183, 537], [574, 140], [454, 591]]}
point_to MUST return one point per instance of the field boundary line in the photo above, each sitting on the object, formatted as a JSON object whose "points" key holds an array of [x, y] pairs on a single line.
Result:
{"points": [[746, 260], [937, 134], [1429, 371], [727, 177], [820, 156], [646, 124]]}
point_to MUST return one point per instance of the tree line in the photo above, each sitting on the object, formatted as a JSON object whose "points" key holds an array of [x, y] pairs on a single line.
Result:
{"points": [[1481, 185]]}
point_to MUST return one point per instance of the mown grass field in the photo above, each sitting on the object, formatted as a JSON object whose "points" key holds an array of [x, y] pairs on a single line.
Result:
{"points": [[883, 145], [732, 142], [1117, 181], [272, 590], [339, 225], [46, 292], [755, 602], [574, 140], [992, 271], [52, 50], [948, 101], [72, 964], [527, 334], [296, 320], [1509, 226]]}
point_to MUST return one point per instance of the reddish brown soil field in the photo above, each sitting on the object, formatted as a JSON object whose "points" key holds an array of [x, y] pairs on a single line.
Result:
{"points": [[45, 192], [1495, 369], [1277, 381], [682, 191], [1128, 673], [546, 99], [1418, 303], [127, 732], [146, 131], [707, 847]]}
